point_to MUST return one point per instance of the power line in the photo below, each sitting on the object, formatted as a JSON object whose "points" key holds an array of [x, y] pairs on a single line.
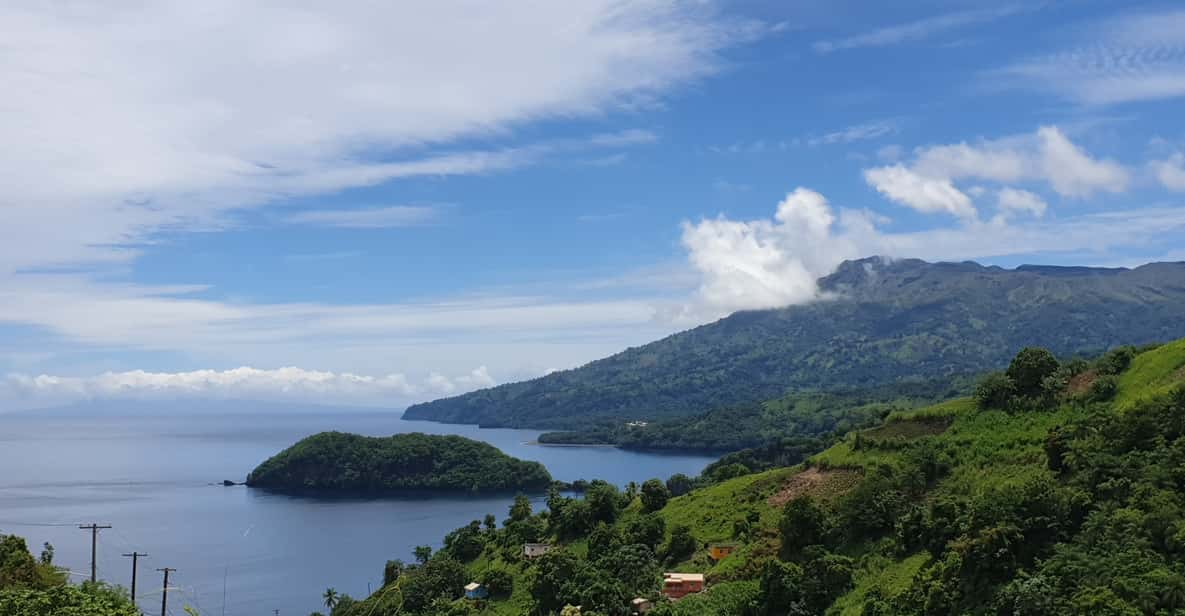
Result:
{"points": [[94, 528]]}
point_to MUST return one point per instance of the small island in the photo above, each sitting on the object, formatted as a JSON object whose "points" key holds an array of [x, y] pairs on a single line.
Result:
{"points": [[412, 462]]}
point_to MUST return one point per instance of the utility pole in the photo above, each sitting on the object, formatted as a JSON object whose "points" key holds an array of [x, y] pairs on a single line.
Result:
{"points": [[94, 528], [164, 593], [135, 556]]}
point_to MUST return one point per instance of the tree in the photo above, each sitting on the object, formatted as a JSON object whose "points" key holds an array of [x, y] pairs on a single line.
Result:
{"points": [[499, 582], [330, 596], [392, 570], [1030, 368], [490, 522], [681, 545], [654, 495], [679, 484], [603, 540], [521, 509], [422, 553], [634, 566], [549, 577], [648, 529], [604, 501], [803, 523]]}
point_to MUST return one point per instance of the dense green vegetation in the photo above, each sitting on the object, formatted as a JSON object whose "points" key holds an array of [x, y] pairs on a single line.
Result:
{"points": [[35, 587], [884, 323], [1045, 493], [795, 416], [415, 461]]}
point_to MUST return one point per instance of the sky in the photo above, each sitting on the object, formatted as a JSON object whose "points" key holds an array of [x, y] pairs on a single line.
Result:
{"points": [[383, 203]]}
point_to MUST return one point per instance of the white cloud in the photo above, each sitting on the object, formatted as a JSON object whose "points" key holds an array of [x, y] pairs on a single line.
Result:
{"points": [[183, 111], [1072, 172], [856, 132], [761, 263], [929, 182], [244, 383], [923, 193], [1134, 57], [914, 30], [1171, 171], [767, 263], [372, 218], [1015, 200]]}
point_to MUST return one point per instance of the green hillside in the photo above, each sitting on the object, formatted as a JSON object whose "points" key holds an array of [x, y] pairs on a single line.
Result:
{"points": [[882, 323], [1056, 489]]}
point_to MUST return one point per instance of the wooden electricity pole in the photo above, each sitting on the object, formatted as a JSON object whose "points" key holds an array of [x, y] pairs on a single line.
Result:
{"points": [[135, 556], [94, 528], [164, 594]]}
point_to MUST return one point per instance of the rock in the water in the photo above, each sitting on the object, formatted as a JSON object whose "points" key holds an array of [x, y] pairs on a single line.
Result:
{"points": [[227, 482]]}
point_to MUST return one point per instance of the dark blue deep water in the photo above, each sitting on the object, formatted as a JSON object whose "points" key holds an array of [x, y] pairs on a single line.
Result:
{"points": [[151, 478]]}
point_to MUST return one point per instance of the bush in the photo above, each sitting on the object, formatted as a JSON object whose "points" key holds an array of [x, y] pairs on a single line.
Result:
{"points": [[1104, 388], [995, 390]]}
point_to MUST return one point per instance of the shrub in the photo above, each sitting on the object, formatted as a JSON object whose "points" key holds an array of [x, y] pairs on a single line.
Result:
{"points": [[995, 390]]}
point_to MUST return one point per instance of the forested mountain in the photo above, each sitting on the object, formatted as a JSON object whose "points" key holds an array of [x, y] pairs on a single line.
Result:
{"points": [[882, 322], [353, 463]]}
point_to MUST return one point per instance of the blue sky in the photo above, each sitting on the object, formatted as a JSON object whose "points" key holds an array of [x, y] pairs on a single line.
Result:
{"points": [[382, 205]]}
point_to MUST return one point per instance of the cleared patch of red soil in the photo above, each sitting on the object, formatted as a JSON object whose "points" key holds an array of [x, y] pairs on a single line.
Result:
{"points": [[1081, 383], [815, 482]]}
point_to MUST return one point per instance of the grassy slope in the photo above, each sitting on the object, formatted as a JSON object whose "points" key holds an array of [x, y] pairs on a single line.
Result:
{"points": [[1152, 374]]}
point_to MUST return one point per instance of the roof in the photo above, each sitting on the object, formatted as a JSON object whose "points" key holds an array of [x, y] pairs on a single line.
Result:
{"points": [[683, 577], [471, 586], [537, 545]]}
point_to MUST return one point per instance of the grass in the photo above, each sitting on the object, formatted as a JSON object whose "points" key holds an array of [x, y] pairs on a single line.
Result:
{"points": [[711, 511], [888, 576], [1152, 374]]}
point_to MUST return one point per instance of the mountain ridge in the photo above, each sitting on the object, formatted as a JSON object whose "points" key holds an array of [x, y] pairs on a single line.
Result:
{"points": [[881, 321]]}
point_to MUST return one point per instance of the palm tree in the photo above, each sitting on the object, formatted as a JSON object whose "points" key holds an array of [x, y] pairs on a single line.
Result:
{"points": [[331, 598]]}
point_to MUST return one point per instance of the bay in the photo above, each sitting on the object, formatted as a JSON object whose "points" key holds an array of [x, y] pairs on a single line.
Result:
{"points": [[154, 478]]}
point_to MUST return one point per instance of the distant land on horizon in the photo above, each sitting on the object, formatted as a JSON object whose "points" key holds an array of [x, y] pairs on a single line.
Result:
{"points": [[885, 321]]}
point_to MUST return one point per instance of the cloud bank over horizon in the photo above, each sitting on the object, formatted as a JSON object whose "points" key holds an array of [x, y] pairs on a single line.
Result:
{"points": [[289, 384]]}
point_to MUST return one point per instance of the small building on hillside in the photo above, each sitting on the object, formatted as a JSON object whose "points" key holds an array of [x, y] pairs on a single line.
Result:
{"points": [[679, 585], [535, 550], [474, 590], [640, 605], [720, 551]]}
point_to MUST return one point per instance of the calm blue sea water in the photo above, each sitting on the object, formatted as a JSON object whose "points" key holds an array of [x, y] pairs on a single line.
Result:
{"points": [[150, 478]]}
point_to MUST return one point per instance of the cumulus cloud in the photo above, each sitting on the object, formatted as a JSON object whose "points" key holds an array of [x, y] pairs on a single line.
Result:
{"points": [[1016, 200], [1072, 172], [923, 193], [244, 383], [1171, 172], [928, 182], [764, 263]]}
